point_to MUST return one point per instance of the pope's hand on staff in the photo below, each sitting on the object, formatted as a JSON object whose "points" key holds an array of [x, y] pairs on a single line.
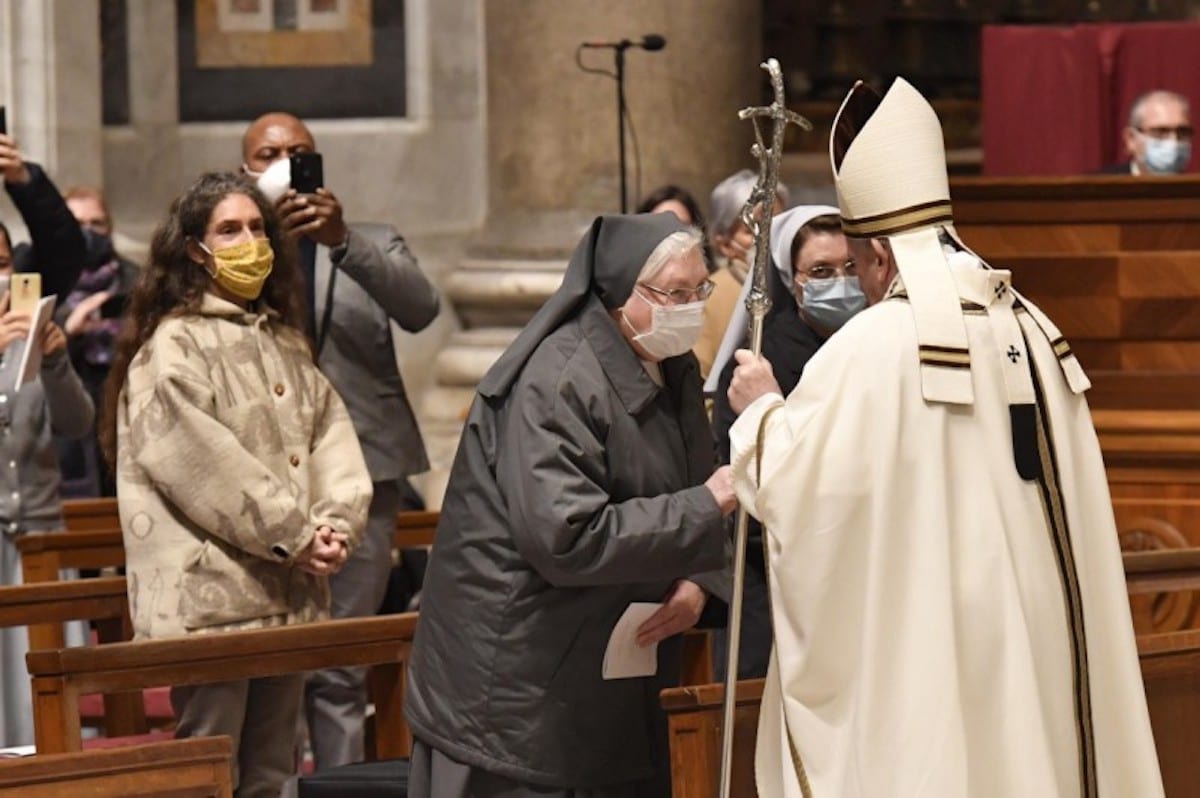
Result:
{"points": [[752, 378]]}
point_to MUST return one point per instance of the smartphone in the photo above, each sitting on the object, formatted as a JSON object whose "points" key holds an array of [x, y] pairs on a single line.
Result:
{"points": [[308, 173], [26, 292], [3, 122]]}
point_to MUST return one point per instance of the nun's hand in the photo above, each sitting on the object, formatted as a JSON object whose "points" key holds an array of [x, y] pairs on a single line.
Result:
{"points": [[752, 378], [680, 611]]}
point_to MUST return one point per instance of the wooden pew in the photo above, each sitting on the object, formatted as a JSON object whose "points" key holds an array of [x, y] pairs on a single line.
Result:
{"points": [[48, 605], [415, 529], [694, 726], [92, 542], [199, 768], [93, 539], [44, 555], [88, 515], [1171, 673], [1116, 263], [1161, 571], [384, 642], [101, 600]]}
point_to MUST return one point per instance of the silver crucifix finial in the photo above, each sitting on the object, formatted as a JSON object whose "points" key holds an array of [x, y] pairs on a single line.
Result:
{"points": [[756, 215]]}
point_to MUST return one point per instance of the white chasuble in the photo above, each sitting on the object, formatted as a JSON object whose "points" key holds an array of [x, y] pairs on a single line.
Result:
{"points": [[944, 626]]}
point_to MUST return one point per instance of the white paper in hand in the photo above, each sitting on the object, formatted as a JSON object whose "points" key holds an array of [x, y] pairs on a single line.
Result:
{"points": [[31, 358], [624, 658]]}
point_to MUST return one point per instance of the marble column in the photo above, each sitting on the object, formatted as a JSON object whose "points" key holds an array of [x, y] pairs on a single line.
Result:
{"points": [[50, 84], [552, 155]]}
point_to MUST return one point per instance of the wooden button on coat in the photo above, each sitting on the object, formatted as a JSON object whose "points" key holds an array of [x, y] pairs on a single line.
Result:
{"points": [[279, 389], [294, 460]]}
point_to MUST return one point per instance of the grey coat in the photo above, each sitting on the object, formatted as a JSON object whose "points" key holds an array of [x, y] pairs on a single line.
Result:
{"points": [[376, 280], [577, 493]]}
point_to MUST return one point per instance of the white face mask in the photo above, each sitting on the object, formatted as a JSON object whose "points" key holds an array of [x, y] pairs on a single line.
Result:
{"points": [[674, 329], [275, 180]]}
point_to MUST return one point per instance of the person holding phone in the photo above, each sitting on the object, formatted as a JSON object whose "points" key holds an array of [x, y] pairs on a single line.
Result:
{"points": [[56, 248], [55, 403], [359, 278]]}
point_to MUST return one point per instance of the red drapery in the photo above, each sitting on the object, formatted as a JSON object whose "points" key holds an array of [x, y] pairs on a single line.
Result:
{"points": [[1055, 99]]}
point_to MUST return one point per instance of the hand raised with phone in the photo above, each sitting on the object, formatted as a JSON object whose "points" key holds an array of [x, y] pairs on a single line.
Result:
{"points": [[308, 208], [12, 163], [14, 325]]}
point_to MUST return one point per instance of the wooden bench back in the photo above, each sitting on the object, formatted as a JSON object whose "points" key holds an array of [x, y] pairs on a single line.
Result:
{"points": [[694, 724], [101, 600], [93, 540], [384, 642], [89, 515], [198, 767], [45, 606]]}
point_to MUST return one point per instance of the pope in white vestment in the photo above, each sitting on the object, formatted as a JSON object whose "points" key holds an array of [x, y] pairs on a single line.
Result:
{"points": [[947, 592]]}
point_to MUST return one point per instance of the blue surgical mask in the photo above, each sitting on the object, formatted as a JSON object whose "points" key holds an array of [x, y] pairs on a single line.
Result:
{"points": [[1167, 156], [830, 303]]}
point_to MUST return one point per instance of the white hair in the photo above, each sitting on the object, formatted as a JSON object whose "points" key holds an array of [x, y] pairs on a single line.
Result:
{"points": [[727, 199], [676, 245], [1139, 105]]}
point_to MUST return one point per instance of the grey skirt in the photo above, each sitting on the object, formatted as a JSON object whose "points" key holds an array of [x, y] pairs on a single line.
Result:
{"points": [[433, 774]]}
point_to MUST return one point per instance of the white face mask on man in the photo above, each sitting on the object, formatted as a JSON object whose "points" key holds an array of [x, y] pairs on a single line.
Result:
{"points": [[674, 329], [275, 180]]}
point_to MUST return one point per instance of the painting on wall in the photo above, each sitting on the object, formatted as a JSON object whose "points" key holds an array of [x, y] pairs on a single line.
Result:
{"points": [[314, 58]]}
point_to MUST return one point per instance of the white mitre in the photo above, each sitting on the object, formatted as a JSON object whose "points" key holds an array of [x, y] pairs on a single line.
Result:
{"points": [[889, 166]]}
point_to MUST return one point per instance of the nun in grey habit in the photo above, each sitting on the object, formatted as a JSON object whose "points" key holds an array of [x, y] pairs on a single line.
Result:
{"points": [[578, 488]]}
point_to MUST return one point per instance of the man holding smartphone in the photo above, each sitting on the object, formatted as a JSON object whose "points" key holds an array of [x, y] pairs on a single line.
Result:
{"points": [[360, 278]]}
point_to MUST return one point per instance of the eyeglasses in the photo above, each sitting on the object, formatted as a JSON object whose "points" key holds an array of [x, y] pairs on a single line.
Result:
{"points": [[1182, 132], [679, 296], [824, 271]]}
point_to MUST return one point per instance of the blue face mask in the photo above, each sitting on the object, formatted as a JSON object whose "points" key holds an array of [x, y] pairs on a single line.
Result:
{"points": [[830, 303], [1167, 156]]}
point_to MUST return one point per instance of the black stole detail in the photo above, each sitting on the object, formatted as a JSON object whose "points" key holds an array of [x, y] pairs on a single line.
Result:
{"points": [[1025, 441], [1050, 487]]}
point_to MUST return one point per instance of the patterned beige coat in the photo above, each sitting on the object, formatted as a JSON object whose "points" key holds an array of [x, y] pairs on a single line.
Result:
{"points": [[232, 450]]}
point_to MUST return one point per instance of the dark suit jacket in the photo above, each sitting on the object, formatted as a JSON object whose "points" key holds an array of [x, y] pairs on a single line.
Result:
{"points": [[376, 280]]}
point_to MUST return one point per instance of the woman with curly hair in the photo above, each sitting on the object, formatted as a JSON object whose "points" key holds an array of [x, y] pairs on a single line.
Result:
{"points": [[240, 481]]}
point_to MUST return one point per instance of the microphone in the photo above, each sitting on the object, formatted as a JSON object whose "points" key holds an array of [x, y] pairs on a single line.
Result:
{"points": [[651, 42]]}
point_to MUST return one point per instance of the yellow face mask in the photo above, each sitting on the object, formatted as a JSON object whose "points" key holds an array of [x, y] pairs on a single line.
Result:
{"points": [[243, 268]]}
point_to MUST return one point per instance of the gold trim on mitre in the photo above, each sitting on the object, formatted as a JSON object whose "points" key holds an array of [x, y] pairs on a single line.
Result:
{"points": [[899, 221]]}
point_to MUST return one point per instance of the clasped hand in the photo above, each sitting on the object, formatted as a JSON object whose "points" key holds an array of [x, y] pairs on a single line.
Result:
{"points": [[326, 554]]}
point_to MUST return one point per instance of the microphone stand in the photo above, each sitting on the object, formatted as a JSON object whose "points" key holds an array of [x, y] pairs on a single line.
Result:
{"points": [[619, 51]]}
